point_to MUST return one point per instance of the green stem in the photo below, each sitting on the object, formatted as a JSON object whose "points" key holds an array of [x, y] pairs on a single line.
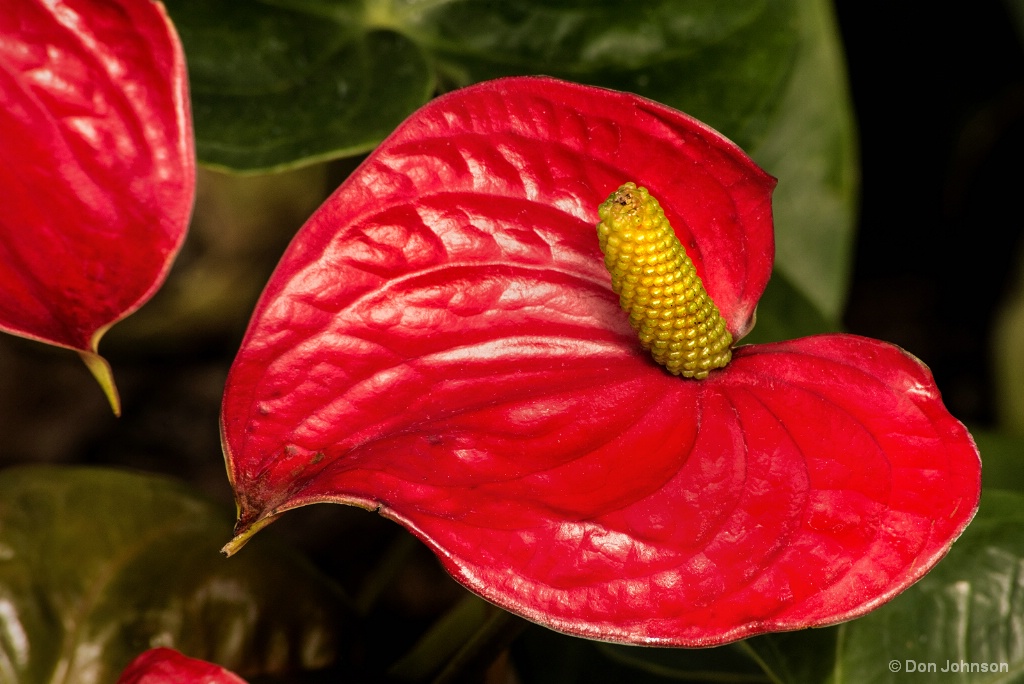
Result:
{"points": [[483, 648], [385, 573], [466, 639]]}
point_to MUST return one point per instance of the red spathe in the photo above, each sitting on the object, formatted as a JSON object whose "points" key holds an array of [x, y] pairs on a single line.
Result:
{"points": [[441, 343]]}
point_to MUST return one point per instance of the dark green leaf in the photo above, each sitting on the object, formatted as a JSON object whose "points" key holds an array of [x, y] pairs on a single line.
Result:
{"points": [[285, 82], [274, 87], [725, 63], [276, 83], [97, 566]]}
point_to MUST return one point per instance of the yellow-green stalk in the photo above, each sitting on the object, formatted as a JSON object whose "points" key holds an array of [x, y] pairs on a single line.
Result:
{"points": [[658, 286]]}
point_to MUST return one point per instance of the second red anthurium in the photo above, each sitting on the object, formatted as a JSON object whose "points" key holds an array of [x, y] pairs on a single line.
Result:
{"points": [[442, 343], [97, 167]]}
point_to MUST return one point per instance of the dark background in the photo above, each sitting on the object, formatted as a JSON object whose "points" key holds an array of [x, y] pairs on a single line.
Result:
{"points": [[939, 101]]}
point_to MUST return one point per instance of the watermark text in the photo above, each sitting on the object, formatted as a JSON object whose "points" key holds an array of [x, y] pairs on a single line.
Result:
{"points": [[947, 666]]}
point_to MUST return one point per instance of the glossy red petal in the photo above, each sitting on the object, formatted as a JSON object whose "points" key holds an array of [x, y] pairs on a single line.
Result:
{"points": [[96, 164], [441, 343], [806, 484], [471, 231], [167, 666], [464, 252]]}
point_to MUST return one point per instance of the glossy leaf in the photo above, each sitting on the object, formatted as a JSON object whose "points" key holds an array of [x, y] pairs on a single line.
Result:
{"points": [[98, 173], [167, 666], [277, 83], [97, 566], [441, 343]]}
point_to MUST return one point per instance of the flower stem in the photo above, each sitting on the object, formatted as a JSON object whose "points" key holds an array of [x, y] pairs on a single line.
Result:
{"points": [[467, 639]]}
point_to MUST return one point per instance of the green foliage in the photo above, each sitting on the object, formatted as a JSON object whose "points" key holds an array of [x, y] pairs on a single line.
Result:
{"points": [[785, 313], [278, 84], [1008, 349], [98, 565]]}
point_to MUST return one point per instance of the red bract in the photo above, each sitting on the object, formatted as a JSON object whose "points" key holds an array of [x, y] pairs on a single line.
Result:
{"points": [[98, 170], [441, 343], [167, 666]]}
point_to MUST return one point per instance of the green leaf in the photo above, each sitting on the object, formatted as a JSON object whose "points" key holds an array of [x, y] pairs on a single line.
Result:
{"points": [[97, 566], [785, 313], [725, 63], [285, 82], [274, 87], [811, 148], [1001, 456], [276, 83], [1008, 351], [969, 609]]}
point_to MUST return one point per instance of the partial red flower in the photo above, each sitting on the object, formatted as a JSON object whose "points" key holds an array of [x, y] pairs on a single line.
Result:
{"points": [[167, 666], [441, 344], [98, 169]]}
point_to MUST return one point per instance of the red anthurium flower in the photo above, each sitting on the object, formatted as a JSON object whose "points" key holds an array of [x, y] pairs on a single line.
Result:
{"points": [[441, 343], [98, 171], [167, 666]]}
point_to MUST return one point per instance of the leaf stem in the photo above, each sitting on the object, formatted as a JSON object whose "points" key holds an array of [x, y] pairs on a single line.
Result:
{"points": [[385, 572], [483, 648], [466, 639]]}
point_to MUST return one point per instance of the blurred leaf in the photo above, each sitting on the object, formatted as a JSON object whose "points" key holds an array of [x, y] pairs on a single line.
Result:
{"points": [[1008, 356], [785, 313], [97, 566], [1002, 456], [811, 148]]}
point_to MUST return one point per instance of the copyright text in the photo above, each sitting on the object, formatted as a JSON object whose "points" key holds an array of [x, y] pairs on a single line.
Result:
{"points": [[947, 666]]}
